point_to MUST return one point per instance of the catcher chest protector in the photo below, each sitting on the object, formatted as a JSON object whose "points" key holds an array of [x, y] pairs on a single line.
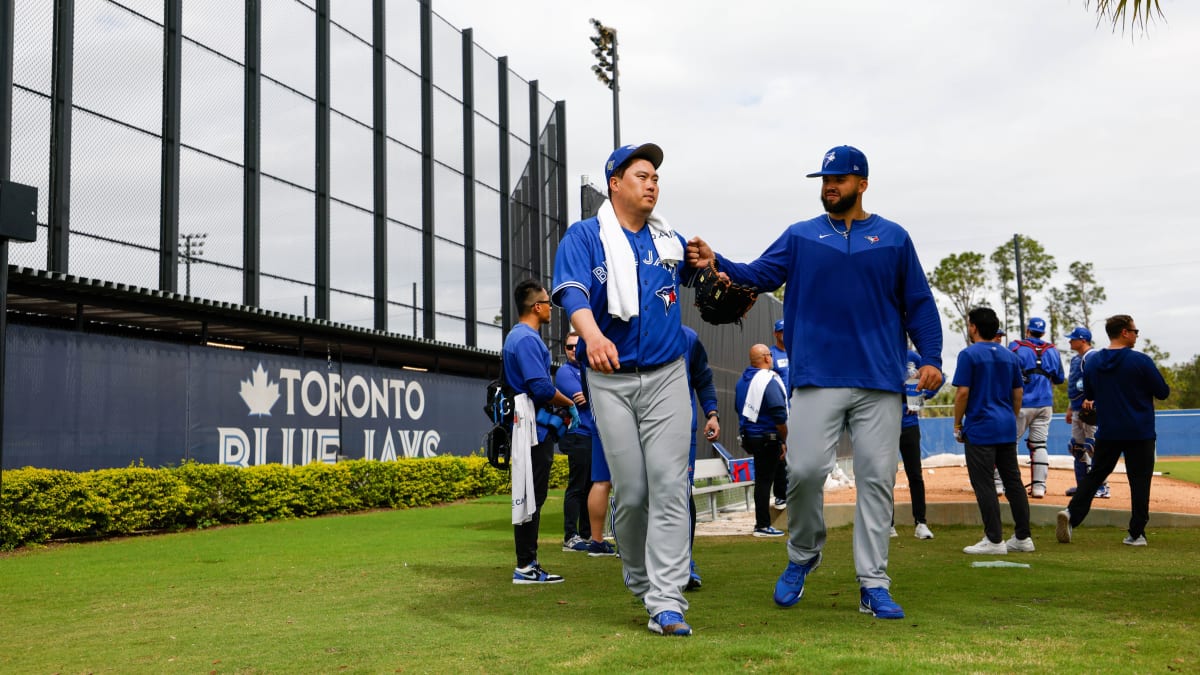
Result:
{"points": [[498, 406], [1038, 350]]}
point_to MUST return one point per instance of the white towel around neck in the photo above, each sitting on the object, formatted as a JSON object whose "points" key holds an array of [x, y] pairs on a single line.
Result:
{"points": [[622, 262], [756, 391]]}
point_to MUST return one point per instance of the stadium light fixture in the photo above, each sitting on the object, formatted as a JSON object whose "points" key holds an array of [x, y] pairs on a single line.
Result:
{"points": [[191, 246], [606, 71]]}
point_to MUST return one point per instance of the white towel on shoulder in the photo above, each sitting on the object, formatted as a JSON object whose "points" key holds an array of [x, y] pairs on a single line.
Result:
{"points": [[622, 263], [524, 437], [756, 390]]}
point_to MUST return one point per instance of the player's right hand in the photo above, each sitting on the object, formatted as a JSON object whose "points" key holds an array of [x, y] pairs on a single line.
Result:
{"points": [[699, 253], [602, 355]]}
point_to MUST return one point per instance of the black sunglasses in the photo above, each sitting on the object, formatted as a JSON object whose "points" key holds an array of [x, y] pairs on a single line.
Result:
{"points": [[570, 346]]}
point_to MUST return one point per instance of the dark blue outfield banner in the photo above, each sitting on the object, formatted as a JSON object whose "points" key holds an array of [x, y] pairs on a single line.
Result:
{"points": [[78, 401]]}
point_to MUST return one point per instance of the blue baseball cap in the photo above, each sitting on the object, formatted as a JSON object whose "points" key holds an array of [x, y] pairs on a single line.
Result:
{"points": [[1000, 332], [1037, 324], [779, 325], [843, 160], [627, 153], [1080, 333]]}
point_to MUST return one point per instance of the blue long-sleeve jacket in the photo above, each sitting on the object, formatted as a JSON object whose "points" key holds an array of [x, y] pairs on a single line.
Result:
{"points": [[771, 412], [849, 303], [1121, 383]]}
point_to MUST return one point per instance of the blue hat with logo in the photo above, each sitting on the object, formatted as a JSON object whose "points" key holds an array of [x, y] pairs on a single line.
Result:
{"points": [[1080, 333], [1000, 332], [627, 153], [1037, 324], [779, 325], [842, 161]]}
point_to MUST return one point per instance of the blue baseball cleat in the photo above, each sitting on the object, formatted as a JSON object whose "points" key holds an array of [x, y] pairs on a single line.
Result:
{"points": [[878, 603], [790, 587]]}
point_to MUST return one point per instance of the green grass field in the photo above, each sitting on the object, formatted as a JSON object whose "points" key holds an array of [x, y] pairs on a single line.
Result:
{"points": [[1180, 469], [428, 590]]}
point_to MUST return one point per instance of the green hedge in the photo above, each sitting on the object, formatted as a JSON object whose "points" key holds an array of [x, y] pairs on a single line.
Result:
{"points": [[41, 505]]}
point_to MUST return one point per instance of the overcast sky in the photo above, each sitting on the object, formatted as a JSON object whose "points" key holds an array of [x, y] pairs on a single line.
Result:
{"points": [[980, 121]]}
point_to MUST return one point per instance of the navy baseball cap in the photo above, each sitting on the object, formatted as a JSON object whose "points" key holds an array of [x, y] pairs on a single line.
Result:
{"points": [[843, 160], [627, 153], [1037, 324], [1080, 333], [1000, 332], [779, 325]]}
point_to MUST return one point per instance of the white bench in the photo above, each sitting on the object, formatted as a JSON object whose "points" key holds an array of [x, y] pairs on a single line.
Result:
{"points": [[710, 470]]}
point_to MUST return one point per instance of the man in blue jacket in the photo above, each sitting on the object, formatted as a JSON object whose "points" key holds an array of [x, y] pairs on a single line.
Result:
{"points": [[1121, 385], [576, 444], [855, 289], [761, 403]]}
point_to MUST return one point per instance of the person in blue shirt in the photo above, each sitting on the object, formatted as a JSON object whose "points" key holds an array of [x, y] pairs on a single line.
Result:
{"points": [[1120, 384], [618, 277], [986, 406], [576, 444], [779, 363], [761, 403], [525, 361], [700, 381], [910, 455], [855, 290], [1042, 368], [1082, 444]]}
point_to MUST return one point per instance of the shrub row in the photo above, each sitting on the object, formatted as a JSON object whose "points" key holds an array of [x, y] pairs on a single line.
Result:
{"points": [[42, 505]]}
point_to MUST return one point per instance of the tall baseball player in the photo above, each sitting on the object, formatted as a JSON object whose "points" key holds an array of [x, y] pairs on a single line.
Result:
{"points": [[1083, 435], [1042, 368], [617, 275], [855, 289]]}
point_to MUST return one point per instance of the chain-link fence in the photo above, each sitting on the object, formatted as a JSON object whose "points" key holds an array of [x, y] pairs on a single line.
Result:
{"points": [[359, 161]]}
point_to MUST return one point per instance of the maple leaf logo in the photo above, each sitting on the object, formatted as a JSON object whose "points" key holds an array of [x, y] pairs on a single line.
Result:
{"points": [[259, 394]]}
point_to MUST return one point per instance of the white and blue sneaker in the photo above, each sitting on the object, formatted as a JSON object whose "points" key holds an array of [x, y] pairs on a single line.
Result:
{"points": [[878, 603], [576, 544], [669, 623], [767, 531], [1103, 492], [790, 587], [534, 574]]}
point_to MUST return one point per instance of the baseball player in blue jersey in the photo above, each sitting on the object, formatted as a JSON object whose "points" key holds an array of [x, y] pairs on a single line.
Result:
{"points": [[1042, 368], [779, 363], [1083, 435], [617, 275], [526, 363], [855, 288]]}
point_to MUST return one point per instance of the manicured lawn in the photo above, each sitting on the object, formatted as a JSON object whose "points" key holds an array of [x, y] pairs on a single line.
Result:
{"points": [[428, 590], [1180, 469]]}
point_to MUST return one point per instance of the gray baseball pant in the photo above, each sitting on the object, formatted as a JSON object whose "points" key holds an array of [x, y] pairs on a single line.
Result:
{"points": [[818, 418], [644, 421]]}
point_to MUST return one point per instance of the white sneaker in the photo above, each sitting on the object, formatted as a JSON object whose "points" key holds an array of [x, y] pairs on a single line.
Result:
{"points": [[986, 547], [1140, 541], [1062, 527], [1038, 492], [893, 533], [1020, 545], [922, 531]]}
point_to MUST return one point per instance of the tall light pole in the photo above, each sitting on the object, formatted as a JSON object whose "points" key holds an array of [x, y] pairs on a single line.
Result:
{"points": [[606, 70], [191, 246]]}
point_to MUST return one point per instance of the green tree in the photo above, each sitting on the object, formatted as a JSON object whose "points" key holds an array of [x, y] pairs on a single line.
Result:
{"points": [[1037, 267], [1082, 293], [961, 277], [1059, 311], [1185, 385]]}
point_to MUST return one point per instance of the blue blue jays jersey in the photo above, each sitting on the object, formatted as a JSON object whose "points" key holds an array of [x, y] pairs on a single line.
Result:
{"points": [[779, 364], [850, 302], [652, 337]]}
